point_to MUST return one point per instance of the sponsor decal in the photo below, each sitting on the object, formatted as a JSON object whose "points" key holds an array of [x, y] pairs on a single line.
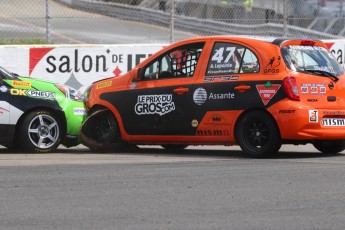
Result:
{"points": [[287, 111], [313, 89], [331, 85], [213, 132], [305, 47], [249, 67], [3, 89], [322, 90], [267, 91], [18, 92], [133, 85], [32, 93], [312, 100], [79, 111], [200, 96], [154, 104], [215, 96], [304, 90], [336, 122], [273, 66], [334, 113], [42, 94], [195, 123], [24, 84], [103, 84], [220, 78], [216, 119], [313, 116]]}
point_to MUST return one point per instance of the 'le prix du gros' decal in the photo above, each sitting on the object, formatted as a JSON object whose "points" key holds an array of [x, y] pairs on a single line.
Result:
{"points": [[154, 104], [267, 91]]}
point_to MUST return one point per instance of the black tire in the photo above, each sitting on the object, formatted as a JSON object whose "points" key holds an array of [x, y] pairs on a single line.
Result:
{"points": [[100, 132], [258, 134], [174, 147], [40, 132], [330, 147]]}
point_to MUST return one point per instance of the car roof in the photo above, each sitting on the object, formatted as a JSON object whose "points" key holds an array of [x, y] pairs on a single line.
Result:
{"points": [[274, 40]]}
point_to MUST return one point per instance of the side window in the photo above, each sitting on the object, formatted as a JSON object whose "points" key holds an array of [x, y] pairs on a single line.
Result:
{"points": [[228, 58], [250, 63], [179, 62]]}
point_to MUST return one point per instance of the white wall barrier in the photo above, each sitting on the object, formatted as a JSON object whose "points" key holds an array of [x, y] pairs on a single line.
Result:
{"points": [[80, 65]]}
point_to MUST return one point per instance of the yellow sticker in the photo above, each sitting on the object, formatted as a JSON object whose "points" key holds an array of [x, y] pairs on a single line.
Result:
{"points": [[104, 84], [195, 123], [18, 92], [24, 84]]}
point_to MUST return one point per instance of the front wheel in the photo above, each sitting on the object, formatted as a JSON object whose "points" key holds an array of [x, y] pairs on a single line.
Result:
{"points": [[330, 147], [258, 135], [100, 132], [40, 132]]}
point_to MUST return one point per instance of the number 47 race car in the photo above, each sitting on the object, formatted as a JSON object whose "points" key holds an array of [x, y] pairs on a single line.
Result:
{"points": [[37, 115], [222, 90]]}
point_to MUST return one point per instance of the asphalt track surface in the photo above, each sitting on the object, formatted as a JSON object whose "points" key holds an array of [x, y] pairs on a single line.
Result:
{"points": [[149, 188]]}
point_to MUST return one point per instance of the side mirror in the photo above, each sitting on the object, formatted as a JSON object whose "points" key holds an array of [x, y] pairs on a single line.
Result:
{"points": [[136, 74]]}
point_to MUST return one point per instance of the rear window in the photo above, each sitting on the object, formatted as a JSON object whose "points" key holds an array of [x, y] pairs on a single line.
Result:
{"points": [[310, 59]]}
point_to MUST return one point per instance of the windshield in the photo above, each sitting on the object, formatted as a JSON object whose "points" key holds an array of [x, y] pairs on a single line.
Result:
{"points": [[4, 74], [311, 59]]}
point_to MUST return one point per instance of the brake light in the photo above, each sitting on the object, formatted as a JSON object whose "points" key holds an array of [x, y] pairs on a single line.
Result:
{"points": [[307, 42], [291, 89]]}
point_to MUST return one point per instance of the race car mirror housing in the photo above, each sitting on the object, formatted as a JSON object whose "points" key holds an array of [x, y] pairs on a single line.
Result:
{"points": [[136, 74]]}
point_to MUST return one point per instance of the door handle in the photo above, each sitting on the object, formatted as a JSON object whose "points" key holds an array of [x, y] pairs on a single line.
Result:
{"points": [[242, 88], [181, 90]]}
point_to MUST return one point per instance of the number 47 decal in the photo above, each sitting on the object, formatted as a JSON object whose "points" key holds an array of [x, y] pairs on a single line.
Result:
{"points": [[219, 55]]}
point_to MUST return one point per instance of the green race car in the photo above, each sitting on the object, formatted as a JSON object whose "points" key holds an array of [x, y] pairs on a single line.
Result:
{"points": [[37, 115]]}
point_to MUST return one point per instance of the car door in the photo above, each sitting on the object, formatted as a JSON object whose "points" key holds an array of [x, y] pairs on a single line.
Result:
{"points": [[230, 78], [159, 103], [230, 85]]}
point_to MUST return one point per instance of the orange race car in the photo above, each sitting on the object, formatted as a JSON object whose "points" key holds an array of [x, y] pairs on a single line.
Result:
{"points": [[223, 90]]}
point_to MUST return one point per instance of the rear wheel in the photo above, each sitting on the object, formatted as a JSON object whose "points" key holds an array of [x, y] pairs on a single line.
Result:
{"points": [[100, 132], [330, 147], [40, 132], [258, 135]]}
